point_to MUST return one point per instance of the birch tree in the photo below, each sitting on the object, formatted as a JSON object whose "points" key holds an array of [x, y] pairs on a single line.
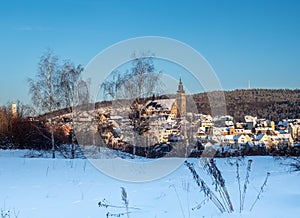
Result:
{"points": [[135, 85], [69, 78], [44, 89]]}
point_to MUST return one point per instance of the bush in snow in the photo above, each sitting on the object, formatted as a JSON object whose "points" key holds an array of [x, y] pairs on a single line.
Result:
{"points": [[223, 202], [105, 204], [7, 213]]}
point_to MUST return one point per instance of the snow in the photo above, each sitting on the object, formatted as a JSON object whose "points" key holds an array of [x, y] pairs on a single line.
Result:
{"points": [[44, 187], [163, 103]]}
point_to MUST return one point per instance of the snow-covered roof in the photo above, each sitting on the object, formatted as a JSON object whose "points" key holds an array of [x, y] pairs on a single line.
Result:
{"points": [[161, 103], [236, 137], [228, 137], [249, 118], [283, 123], [116, 117], [259, 137]]}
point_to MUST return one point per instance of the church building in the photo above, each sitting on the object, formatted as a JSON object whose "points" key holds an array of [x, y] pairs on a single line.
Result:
{"points": [[181, 100], [175, 108]]}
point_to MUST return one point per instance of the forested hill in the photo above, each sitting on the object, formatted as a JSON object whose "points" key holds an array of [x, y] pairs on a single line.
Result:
{"points": [[274, 104]]}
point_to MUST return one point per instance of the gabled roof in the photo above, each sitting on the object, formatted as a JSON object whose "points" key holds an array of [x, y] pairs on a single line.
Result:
{"points": [[161, 104], [236, 137], [259, 137]]}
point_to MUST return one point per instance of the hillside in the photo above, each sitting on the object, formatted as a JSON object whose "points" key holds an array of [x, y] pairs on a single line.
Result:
{"points": [[274, 104]]}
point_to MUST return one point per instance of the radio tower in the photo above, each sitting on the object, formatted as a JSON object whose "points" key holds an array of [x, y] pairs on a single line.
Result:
{"points": [[249, 84]]}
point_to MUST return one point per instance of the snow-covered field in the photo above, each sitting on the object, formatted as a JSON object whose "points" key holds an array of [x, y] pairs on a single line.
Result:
{"points": [[43, 187]]}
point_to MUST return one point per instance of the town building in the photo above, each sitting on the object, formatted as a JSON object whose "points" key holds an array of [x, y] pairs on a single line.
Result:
{"points": [[181, 100]]}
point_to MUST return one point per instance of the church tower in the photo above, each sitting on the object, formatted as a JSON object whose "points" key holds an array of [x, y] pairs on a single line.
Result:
{"points": [[181, 100]]}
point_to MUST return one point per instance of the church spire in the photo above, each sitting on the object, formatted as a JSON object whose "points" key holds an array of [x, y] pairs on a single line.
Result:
{"points": [[181, 100], [180, 87]]}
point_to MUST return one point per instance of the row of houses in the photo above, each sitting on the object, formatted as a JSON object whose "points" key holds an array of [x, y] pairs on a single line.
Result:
{"points": [[170, 121], [165, 126]]}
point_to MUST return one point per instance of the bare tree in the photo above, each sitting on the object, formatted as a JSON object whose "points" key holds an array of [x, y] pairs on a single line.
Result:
{"points": [[4, 121], [23, 110], [83, 92], [12, 117], [69, 78], [140, 81], [112, 85], [143, 82], [44, 89], [135, 85]]}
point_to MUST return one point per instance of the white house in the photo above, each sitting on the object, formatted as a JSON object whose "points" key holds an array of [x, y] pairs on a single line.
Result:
{"points": [[241, 139]]}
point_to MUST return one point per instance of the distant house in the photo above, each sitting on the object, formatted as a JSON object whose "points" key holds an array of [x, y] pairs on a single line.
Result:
{"points": [[263, 140], [221, 130], [174, 108], [285, 139], [204, 117], [207, 123], [161, 106], [282, 125], [241, 139], [239, 131], [65, 129], [295, 131], [264, 130], [227, 139], [250, 119], [222, 121]]}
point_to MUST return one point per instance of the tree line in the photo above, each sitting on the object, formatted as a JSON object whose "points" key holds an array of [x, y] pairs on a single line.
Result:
{"points": [[53, 91], [53, 88], [56, 82], [273, 104]]}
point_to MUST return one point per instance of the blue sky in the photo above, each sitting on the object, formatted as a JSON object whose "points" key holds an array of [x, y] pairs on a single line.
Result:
{"points": [[242, 39]]}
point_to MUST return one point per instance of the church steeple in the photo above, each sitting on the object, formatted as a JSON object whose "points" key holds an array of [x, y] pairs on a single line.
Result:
{"points": [[180, 87], [181, 99]]}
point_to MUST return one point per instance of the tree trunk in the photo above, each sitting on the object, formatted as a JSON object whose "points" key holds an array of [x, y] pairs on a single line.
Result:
{"points": [[73, 144], [52, 139]]}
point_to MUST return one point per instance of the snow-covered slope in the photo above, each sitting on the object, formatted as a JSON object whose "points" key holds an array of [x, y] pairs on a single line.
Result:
{"points": [[41, 188]]}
